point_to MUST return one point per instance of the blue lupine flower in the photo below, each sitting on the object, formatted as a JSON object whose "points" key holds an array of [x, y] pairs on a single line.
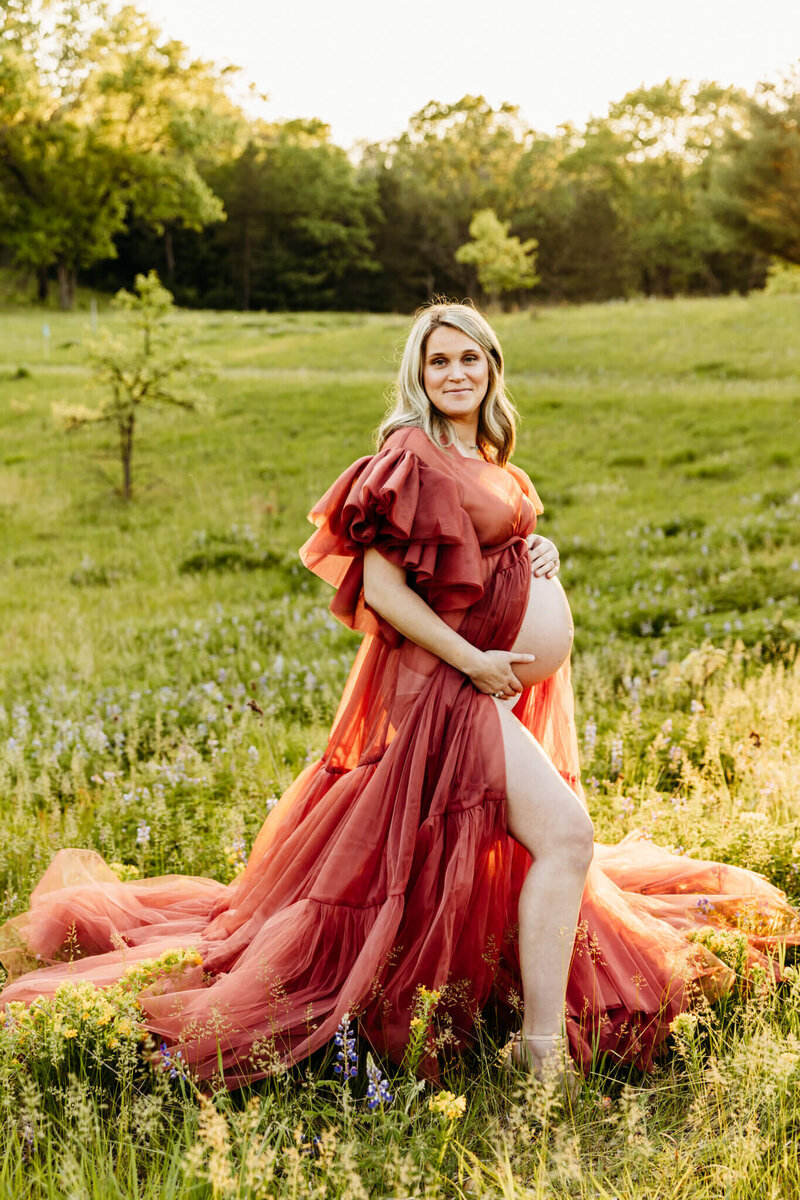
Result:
{"points": [[378, 1087], [168, 1063], [705, 906], [347, 1059]]}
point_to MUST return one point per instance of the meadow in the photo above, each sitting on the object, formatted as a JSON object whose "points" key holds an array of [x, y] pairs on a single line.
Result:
{"points": [[167, 667]]}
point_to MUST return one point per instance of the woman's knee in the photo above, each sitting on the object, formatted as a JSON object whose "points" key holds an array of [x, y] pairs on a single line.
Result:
{"points": [[559, 829], [582, 841], [571, 839]]}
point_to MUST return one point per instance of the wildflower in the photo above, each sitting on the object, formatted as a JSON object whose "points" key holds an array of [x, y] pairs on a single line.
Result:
{"points": [[448, 1105], [252, 753], [27, 1134], [684, 1024], [236, 855], [170, 1063], [696, 707], [417, 1023], [142, 833], [378, 1087], [105, 1016], [705, 906], [125, 870], [70, 1033], [347, 1059], [589, 737], [616, 755]]}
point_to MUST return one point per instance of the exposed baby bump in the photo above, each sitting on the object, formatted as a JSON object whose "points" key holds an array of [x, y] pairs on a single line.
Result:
{"points": [[546, 631]]}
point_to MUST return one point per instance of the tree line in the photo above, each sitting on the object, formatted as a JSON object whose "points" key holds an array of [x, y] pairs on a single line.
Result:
{"points": [[119, 153]]}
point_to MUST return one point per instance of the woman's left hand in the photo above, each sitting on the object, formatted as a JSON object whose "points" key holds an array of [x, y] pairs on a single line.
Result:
{"points": [[544, 556]]}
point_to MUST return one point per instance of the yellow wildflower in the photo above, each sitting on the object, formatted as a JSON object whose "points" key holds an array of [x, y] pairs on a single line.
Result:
{"points": [[417, 1023], [70, 1033], [684, 1024], [124, 1027], [112, 1043], [446, 1104]]}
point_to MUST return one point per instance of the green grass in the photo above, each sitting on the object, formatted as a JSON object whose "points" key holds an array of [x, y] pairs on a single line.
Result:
{"points": [[664, 440]]}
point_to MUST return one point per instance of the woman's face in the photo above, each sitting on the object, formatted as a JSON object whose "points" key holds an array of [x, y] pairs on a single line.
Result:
{"points": [[455, 374]]}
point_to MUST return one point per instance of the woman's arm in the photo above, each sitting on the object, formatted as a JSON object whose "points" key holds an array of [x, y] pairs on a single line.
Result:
{"points": [[387, 592]]}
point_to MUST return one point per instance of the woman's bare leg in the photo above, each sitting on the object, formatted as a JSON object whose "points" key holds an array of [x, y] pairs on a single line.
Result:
{"points": [[546, 817]]}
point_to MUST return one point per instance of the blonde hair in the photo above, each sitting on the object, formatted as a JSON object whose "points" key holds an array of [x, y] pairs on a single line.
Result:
{"points": [[411, 406]]}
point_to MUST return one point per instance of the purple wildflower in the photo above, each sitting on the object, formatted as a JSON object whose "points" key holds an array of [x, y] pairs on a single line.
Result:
{"points": [[378, 1087], [347, 1059], [170, 1063]]}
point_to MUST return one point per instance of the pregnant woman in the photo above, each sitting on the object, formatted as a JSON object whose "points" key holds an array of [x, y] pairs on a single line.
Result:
{"points": [[442, 839]]}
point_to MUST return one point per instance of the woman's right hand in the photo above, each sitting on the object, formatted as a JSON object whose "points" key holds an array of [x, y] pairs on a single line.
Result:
{"points": [[493, 673]]}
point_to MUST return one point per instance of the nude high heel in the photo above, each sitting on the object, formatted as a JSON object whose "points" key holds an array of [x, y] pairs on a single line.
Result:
{"points": [[545, 1052]]}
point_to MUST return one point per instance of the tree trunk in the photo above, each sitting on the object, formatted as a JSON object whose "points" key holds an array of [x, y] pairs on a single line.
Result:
{"points": [[126, 454], [66, 286], [42, 285], [169, 254], [246, 265]]}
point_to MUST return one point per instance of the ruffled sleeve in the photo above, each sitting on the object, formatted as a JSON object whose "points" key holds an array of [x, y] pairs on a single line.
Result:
{"points": [[409, 510]]}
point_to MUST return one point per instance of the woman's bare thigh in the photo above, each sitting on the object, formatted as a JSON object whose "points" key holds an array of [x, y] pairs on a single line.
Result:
{"points": [[543, 810]]}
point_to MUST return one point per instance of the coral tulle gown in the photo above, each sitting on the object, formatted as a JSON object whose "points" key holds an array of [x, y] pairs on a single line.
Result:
{"points": [[387, 863]]}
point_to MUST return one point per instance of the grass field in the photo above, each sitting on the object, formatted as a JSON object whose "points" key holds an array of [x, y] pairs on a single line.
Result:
{"points": [[664, 440]]}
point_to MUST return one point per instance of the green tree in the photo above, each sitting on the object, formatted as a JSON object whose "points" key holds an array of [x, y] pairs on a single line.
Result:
{"points": [[101, 117], [451, 162], [299, 218], [756, 177], [622, 207], [572, 207], [141, 367], [669, 134], [503, 262]]}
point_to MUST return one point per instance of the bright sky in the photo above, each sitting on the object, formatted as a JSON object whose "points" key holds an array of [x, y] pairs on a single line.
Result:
{"points": [[364, 66]]}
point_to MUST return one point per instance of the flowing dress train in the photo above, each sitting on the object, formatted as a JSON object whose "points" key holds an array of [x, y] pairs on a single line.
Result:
{"points": [[387, 863]]}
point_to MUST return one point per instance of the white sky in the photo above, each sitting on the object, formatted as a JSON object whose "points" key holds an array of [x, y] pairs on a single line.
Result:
{"points": [[364, 66]]}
